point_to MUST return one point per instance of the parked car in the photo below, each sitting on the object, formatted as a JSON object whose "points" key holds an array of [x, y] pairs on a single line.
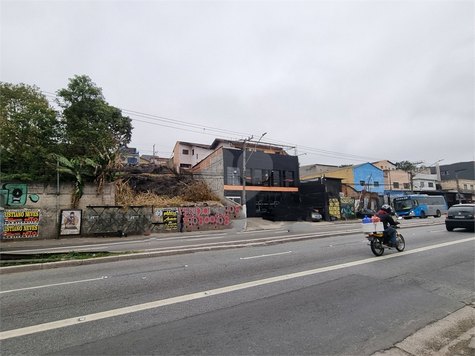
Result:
{"points": [[365, 212], [315, 215], [460, 216]]}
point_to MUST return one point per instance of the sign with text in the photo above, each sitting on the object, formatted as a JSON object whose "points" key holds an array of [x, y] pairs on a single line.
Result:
{"points": [[170, 218], [21, 223]]}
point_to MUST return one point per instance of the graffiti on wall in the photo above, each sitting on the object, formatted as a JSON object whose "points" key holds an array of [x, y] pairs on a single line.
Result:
{"points": [[200, 216], [195, 216], [21, 223], [347, 207], [2, 219], [16, 194], [334, 207]]}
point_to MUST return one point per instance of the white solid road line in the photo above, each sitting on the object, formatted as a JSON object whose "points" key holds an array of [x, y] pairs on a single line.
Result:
{"points": [[272, 254], [51, 285], [204, 294]]}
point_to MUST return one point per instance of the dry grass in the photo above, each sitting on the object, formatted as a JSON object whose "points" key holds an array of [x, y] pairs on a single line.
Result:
{"points": [[197, 192]]}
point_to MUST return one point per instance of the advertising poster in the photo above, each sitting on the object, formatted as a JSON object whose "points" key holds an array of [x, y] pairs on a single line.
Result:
{"points": [[170, 218], [2, 217], [70, 222], [21, 223]]}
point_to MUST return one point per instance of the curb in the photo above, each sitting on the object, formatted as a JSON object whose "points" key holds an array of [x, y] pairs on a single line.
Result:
{"points": [[452, 335]]}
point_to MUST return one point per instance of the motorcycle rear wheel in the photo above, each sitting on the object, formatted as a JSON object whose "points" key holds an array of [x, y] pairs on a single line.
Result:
{"points": [[401, 243], [377, 246]]}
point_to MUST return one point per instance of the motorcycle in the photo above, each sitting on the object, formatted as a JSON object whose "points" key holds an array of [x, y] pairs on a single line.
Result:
{"points": [[380, 240]]}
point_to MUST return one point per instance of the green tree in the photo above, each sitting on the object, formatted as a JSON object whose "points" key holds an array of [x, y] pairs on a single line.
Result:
{"points": [[29, 131], [406, 166], [79, 170], [89, 121], [410, 167]]}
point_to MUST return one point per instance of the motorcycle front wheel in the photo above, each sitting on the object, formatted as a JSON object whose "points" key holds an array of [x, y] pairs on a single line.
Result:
{"points": [[401, 243], [377, 246]]}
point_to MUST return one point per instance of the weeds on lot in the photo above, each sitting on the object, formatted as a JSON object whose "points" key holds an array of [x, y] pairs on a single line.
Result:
{"points": [[55, 257]]}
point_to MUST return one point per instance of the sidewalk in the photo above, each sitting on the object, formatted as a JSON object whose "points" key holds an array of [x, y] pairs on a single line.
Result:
{"points": [[452, 336], [252, 224]]}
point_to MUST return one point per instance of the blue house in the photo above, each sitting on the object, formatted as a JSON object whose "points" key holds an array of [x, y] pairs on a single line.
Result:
{"points": [[362, 177], [369, 176]]}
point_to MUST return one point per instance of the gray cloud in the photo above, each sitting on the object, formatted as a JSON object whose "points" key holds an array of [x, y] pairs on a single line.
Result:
{"points": [[388, 80]]}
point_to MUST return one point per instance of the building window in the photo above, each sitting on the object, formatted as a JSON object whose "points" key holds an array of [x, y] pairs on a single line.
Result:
{"points": [[444, 173], [465, 187], [266, 178], [362, 183], [248, 176], [185, 152], [193, 152], [257, 176], [396, 185], [430, 184], [406, 186], [233, 176], [289, 179], [422, 184], [184, 165], [376, 184], [235, 199], [276, 178]]}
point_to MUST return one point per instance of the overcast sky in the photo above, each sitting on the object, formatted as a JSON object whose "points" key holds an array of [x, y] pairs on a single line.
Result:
{"points": [[344, 82]]}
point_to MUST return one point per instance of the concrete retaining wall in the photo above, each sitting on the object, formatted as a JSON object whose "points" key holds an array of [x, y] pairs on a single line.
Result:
{"points": [[43, 211]]}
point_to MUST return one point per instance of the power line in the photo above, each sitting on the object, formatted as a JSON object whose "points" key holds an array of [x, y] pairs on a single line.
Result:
{"points": [[229, 134]]}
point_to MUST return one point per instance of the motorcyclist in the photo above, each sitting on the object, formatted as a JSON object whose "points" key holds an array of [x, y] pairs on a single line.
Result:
{"points": [[384, 215]]}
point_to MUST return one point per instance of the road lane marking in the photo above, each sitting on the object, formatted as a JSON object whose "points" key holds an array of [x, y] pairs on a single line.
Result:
{"points": [[204, 294], [105, 244], [272, 254], [51, 285], [205, 238]]}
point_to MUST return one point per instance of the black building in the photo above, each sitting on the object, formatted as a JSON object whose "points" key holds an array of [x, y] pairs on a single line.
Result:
{"points": [[271, 177]]}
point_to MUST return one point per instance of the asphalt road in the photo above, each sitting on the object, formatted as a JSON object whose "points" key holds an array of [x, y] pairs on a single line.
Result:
{"points": [[326, 296], [256, 231]]}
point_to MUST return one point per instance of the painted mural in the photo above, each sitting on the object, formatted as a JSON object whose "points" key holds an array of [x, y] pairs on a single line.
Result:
{"points": [[334, 207], [16, 194], [21, 223], [347, 207], [195, 216], [201, 216]]}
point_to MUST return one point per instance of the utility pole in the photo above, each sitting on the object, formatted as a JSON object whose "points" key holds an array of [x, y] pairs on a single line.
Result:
{"points": [[243, 175], [244, 198]]}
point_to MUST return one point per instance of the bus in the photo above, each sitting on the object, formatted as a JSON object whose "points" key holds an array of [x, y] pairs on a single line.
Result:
{"points": [[421, 206]]}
